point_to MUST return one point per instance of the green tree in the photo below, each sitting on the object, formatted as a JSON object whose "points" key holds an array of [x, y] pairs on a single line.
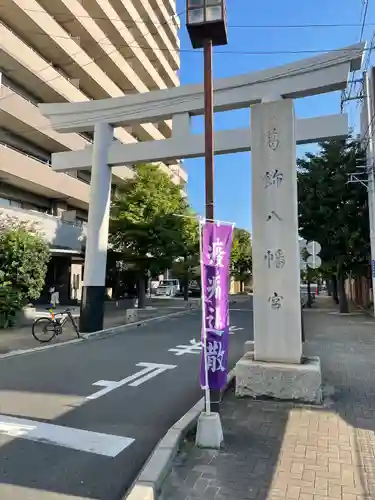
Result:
{"points": [[145, 224], [241, 256], [333, 211], [187, 248], [24, 258]]}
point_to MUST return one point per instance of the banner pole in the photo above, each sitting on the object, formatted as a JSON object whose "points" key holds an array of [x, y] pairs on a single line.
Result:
{"points": [[204, 331]]}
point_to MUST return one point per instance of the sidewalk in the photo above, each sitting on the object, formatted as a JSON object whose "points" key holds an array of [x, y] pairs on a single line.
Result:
{"points": [[276, 450], [21, 338]]}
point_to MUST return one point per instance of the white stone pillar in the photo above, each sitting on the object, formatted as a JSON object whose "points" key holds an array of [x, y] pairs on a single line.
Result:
{"points": [[275, 368], [92, 304], [276, 272]]}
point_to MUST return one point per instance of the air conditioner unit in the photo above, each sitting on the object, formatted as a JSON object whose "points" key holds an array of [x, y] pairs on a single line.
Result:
{"points": [[69, 216]]}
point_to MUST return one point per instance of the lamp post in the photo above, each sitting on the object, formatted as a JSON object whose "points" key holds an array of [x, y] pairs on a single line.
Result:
{"points": [[207, 27]]}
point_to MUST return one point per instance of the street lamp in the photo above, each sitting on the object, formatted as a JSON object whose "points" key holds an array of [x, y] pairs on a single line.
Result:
{"points": [[207, 26], [207, 20]]}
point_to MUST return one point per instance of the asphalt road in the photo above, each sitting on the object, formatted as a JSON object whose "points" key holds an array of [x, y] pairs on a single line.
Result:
{"points": [[37, 460]]}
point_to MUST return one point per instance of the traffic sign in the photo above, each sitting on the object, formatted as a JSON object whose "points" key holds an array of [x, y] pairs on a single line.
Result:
{"points": [[313, 247], [314, 261]]}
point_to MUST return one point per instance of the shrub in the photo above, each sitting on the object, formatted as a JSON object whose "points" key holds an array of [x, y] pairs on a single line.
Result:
{"points": [[24, 255], [10, 303]]}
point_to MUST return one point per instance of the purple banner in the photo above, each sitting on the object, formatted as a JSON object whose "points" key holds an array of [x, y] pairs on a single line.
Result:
{"points": [[215, 263]]}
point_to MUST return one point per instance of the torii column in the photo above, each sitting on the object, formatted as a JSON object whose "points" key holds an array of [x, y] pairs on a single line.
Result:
{"points": [[276, 368], [93, 294]]}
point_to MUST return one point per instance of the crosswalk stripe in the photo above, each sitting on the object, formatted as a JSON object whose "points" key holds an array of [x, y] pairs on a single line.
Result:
{"points": [[67, 437]]}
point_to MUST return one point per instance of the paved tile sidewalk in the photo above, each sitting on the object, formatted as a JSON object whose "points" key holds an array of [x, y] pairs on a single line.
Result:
{"points": [[277, 450]]}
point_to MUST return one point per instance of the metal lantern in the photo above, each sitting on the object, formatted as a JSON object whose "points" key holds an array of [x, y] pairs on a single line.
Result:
{"points": [[206, 20]]}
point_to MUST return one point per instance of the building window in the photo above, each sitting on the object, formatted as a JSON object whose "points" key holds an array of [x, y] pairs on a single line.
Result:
{"points": [[6, 202], [22, 145], [16, 204], [81, 220], [84, 176], [18, 89]]}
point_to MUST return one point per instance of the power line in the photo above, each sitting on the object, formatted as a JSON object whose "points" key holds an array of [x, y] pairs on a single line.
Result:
{"points": [[346, 95], [107, 54], [365, 10], [88, 36], [81, 66], [178, 15], [198, 52], [289, 72], [72, 62], [63, 15], [300, 26], [101, 42]]}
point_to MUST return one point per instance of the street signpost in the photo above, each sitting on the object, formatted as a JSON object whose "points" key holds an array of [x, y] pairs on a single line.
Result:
{"points": [[312, 260]]}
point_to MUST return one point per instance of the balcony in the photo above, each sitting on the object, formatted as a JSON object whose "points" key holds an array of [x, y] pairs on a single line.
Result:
{"points": [[87, 56], [166, 20], [149, 32], [122, 37], [41, 31], [47, 82], [170, 5], [58, 233], [26, 172], [23, 118]]}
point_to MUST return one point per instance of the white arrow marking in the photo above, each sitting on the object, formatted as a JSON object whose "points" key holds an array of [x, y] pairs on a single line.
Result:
{"points": [[149, 371], [193, 348], [57, 435], [233, 329]]}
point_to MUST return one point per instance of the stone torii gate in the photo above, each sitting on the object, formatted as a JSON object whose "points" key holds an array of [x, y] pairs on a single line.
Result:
{"points": [[276, 367]]}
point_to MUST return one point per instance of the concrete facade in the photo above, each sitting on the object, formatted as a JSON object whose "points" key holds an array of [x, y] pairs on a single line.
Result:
{"points": [[65, 52], [59, 51]]}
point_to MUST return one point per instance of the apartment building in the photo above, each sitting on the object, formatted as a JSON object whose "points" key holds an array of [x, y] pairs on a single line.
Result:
{"points": [[74, 50]]}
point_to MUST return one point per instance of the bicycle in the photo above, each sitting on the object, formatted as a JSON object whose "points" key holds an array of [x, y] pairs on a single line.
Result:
{"points": [[53, 326]]}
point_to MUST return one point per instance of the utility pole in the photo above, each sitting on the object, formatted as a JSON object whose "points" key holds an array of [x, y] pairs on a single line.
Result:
{"points": [[215, 396], [208, 130], [369, 103], [207, 27]]}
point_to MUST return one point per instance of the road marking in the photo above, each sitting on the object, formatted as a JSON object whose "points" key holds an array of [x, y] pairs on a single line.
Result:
{"points": [[233, 329], [67, 437], [241, 310], [149, 371], [193, 348]]}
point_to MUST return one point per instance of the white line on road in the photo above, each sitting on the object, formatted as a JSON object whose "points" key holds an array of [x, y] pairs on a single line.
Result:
{"points": [[233, 329], [193, 348], [76, 439], [149, 371]]}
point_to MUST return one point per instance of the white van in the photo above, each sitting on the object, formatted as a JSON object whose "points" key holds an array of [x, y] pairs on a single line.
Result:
{"points": [[169, 288]]}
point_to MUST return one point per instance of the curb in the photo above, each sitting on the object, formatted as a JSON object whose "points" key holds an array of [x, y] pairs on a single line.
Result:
{"points": [[118, 329], [240, 298], [108, 332], [148, 484]]}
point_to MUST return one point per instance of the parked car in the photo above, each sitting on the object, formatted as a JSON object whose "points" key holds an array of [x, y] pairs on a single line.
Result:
{"points": [[169, 288], [194, 288]]}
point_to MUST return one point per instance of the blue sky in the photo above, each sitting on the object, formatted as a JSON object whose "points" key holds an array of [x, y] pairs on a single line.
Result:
{"points": [[232, 172]]}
